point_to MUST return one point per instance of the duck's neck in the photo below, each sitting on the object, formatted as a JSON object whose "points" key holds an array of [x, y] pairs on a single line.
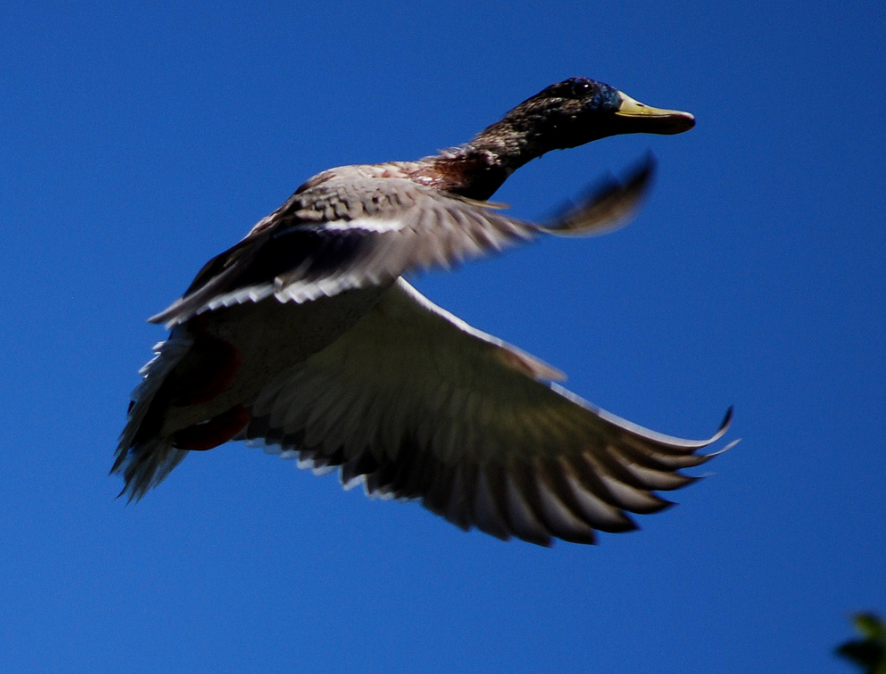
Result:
{"points": [[478, 168]]}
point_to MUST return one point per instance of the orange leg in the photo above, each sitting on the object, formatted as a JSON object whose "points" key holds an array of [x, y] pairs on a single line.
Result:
{"points": [[203, 374], [212, 432], [206, 371]]}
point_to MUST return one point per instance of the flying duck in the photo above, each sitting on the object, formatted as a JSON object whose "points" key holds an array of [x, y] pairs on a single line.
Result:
{"points": [[305, 338]]}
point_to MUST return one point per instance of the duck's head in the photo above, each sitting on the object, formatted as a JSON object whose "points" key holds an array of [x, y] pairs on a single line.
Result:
{"points": [[580, 110], [567, 114]]}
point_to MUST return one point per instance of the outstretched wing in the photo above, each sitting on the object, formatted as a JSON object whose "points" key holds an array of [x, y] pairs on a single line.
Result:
{"points": [[419, 405], [349, 231]]}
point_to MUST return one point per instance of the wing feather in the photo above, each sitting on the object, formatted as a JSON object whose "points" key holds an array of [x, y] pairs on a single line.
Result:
{"points": [[419, 405], [348, 231]]}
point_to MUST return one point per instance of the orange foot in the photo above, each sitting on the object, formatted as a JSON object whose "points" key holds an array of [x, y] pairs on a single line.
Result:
{"points": [[206, 371], [212, 432]]}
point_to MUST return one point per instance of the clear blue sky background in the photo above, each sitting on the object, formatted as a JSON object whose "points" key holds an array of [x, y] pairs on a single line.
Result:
{"points": [[136, 143]]}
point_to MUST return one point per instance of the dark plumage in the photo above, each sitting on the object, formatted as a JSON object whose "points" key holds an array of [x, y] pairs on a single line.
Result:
{"points": [[304, 337]]}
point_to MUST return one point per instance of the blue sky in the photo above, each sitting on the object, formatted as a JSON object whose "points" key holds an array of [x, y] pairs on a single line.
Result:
{"points": [[138, 142]]}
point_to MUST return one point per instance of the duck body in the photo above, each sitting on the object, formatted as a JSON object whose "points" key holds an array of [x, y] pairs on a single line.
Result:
{"points": [[304, 338]]}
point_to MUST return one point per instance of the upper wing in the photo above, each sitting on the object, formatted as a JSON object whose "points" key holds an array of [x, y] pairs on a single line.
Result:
{"points": [[345, 234], [422, 406], [350, 231]]}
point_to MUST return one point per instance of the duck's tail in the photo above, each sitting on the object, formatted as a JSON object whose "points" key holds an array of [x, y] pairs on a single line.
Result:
{"points": [[144, 457]]}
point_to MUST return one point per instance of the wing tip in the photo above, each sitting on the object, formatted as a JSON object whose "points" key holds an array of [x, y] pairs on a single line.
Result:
{"points": [[721, 431], [606, 205]]}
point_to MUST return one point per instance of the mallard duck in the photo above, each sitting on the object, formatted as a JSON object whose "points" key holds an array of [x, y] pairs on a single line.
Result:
{"points": [[304, 338]]}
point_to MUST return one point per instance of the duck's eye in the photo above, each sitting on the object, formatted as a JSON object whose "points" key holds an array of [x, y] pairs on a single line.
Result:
{"points": [[581, 87], [575, 87]]}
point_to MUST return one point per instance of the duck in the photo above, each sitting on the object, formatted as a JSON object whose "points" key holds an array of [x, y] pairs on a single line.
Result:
{"points": [[305, 338]]}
